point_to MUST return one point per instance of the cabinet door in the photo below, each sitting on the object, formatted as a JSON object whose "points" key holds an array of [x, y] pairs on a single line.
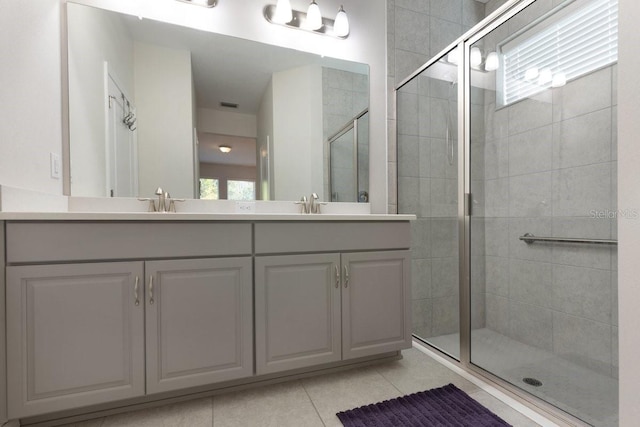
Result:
{"points": [[376, 299], [297, 311], [199, 322], [75, 336]]}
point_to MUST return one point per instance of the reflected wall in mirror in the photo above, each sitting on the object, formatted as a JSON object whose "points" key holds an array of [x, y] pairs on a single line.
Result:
{"points": [[150, 104]]}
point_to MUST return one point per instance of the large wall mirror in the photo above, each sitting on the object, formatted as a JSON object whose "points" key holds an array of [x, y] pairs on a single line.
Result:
{"points": [[205, 115]]}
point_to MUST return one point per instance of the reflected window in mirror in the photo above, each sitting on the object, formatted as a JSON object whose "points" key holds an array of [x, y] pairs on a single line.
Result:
{"points": [[209, 189], [241, 190]]}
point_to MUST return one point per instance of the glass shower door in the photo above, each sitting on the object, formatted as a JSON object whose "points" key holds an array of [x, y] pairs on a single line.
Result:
{"points": [[343, 179], [542, 119], [428, 188]]}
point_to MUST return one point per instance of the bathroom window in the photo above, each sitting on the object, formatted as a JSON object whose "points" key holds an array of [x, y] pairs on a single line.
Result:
{"points": [[575, 39], [241, 190], [209, 189]]}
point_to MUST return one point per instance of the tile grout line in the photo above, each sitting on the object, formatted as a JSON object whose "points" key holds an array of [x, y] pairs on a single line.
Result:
{"points": [[312, 403], [390, 382]]}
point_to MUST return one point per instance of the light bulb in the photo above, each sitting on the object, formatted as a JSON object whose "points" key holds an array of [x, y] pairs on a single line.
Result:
{"points": [[559, 79], [452, 57], [341, 24], [492, 63], [224, 148], [314, 17], [545, 76], [476, 57], [283, 13], [531, 74]]}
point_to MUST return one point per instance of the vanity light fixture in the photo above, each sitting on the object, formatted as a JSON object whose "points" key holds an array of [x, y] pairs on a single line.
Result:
{"points": [[559, 79], [341, 26], [282, 14], [475, 57], [314, 17], [476, 60], [492, 62], [224, 148], [205, 3], [545, 77], [452, 57]]}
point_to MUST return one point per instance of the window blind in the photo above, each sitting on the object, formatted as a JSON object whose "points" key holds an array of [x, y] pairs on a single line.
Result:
{"points": [[580, 42]]}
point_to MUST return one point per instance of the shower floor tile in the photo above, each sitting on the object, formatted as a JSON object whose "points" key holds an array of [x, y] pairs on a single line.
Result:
{"points": [[589, 395]]}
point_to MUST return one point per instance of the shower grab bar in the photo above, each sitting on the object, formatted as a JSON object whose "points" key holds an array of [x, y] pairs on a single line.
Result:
{"points": [[530, 238]]}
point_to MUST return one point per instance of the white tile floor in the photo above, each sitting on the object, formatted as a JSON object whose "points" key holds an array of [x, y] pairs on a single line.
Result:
{"points": [[588, 395], [312, 401]]}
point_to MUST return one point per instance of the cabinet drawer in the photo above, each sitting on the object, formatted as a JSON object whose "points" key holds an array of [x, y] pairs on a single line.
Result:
{"points": [[30, 242], [330, 236]]}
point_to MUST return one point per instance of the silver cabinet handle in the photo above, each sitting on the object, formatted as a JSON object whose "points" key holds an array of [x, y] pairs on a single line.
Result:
{"points": [[346, 276], [135, 291], [337, 276], [151, 289]]}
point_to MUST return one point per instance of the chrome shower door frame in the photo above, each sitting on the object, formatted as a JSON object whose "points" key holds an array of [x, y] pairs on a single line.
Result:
{"points": [[353, 124], [465, 201]]}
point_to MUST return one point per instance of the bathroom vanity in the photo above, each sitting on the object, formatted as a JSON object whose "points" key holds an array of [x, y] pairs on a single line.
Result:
{"points": [[110, 310]]}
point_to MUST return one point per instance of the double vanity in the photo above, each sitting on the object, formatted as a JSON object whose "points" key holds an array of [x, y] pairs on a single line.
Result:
{"points": [[106, 310]]}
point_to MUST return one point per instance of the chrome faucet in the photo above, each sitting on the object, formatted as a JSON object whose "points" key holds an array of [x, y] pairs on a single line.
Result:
{"points": [[162, 197], [304, 205], [314, 204], [165, 202], [314, 208], [311, 205]]}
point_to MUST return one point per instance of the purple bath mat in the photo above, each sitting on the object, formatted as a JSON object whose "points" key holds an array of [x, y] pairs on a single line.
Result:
{"points": [[446, 406]]}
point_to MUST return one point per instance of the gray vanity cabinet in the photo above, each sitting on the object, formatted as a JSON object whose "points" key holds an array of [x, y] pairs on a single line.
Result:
{"points": [[104, 311], [297, 311], [319, 308], [77, 332], [376, 296], [199, 322], [75, 335]]}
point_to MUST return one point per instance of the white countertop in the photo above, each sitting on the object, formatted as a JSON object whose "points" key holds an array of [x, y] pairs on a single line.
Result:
{"points": [[25, 205], [154, 216]]}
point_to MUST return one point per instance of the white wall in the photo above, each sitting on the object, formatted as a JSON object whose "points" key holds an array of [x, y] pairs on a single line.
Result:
{"points": [[165, 120], [629, 198], [30, 98], [297, 133], [226, 123], [95, 38]]}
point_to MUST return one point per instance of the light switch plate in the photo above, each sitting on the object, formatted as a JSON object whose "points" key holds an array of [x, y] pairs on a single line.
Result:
{"points": [[56, 167]]}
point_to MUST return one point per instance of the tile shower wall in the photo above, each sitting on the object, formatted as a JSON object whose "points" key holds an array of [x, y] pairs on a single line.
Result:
{"points": [[417, 30], [547, 166], [550, 167], [542, 166]]}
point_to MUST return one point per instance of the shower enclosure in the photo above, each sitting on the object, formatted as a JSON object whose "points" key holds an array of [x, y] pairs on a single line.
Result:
{"points": [[507, 156], [348, 161]]}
